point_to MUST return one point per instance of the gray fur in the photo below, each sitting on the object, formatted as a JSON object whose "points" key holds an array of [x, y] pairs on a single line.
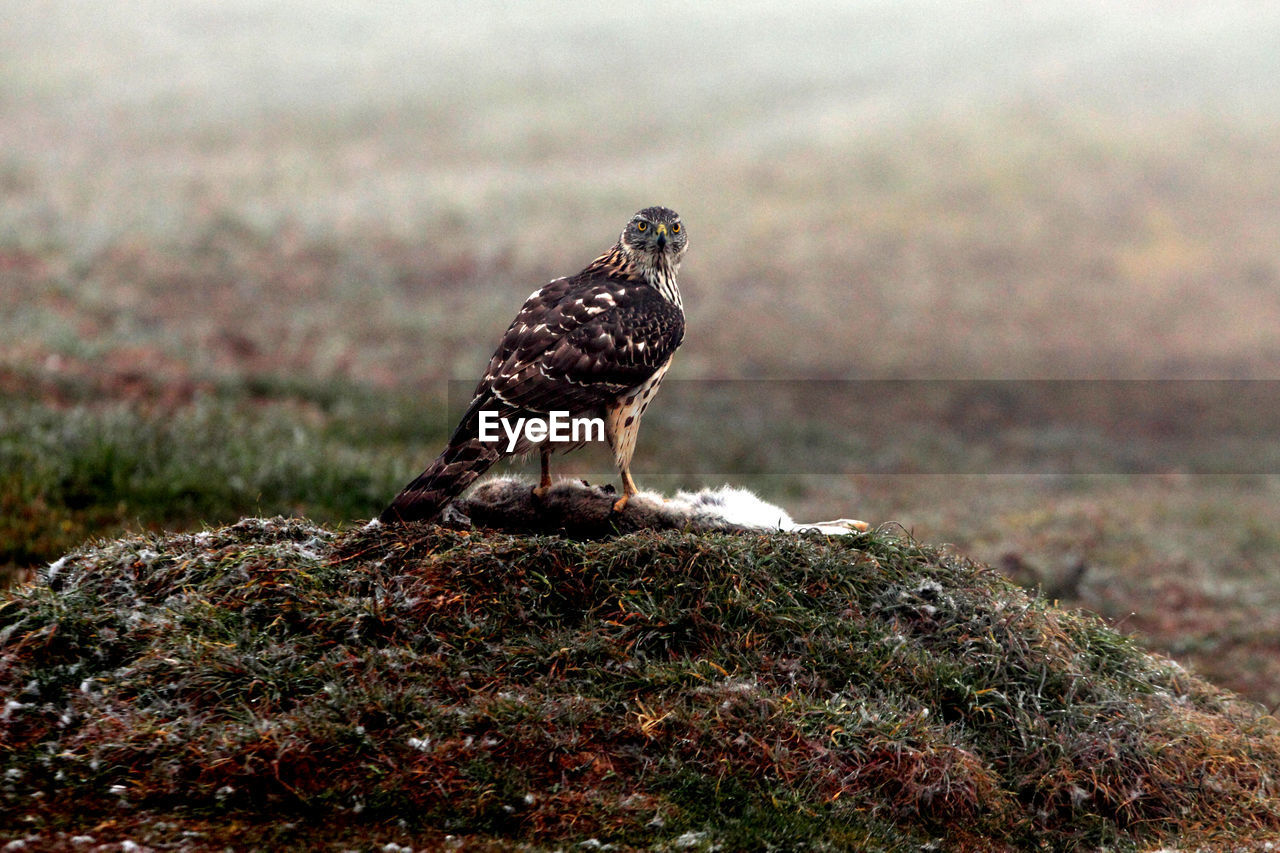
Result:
{"points": [[578, 509]]}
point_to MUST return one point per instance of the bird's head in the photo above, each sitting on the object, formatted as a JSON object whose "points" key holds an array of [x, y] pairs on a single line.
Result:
{"points": [[655, 237]]}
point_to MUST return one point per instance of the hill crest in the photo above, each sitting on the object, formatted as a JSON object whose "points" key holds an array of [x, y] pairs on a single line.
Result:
{"points": [[656, 690]]}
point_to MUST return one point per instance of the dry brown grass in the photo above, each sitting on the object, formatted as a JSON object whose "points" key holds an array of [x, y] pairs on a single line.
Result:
{"points": [[784, 691]]}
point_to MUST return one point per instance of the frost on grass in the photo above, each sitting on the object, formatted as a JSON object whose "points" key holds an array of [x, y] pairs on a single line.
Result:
{"points": [[656, 690]]}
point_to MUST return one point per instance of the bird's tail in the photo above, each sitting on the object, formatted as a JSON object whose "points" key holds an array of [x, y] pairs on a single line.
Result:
{"points": [[455, 469]]}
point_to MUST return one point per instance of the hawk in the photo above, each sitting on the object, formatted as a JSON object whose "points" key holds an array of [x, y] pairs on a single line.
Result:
{"points": [[595, 344]]}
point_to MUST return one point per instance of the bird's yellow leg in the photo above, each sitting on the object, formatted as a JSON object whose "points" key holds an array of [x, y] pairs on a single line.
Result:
{"points": [[628, 489], [540, 490]]}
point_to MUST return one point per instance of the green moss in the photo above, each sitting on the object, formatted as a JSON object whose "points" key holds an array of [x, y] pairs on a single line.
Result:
{"points": [[751, 692]]}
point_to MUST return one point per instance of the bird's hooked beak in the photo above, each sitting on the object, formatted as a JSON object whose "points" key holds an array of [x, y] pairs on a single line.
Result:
{"points": [[662, 236]]}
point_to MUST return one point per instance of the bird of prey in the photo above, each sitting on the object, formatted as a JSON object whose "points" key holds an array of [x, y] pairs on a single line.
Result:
{"points": [[595, 344]]}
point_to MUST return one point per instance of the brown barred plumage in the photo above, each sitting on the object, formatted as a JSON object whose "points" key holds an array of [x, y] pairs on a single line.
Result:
{"points": [[595, 344]]}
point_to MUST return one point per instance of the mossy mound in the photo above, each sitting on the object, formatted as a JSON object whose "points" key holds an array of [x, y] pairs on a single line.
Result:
{"points": [[274, 682]]}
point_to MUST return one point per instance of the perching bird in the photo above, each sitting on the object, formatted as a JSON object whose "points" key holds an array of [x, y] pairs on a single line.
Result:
{"points": [[595, 344]]}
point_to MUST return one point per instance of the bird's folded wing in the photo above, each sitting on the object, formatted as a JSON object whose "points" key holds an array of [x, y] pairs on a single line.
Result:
{"points": [[583, 350]]}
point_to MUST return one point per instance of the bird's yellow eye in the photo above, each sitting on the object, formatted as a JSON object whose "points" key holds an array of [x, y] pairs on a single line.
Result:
{"points": [[675, 228], [642, 226]]}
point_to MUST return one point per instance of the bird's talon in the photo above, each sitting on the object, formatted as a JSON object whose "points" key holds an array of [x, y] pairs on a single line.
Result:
{"points": [[620, 503]]}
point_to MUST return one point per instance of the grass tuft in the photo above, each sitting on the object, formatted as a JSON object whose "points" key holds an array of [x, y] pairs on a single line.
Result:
{"points": [[660, 690]]}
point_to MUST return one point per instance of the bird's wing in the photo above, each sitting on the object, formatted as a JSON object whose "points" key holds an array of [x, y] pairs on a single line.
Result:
{"points": [[578, 345]]}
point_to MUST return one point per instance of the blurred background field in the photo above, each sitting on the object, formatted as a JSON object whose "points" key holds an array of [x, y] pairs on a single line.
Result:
{"points": [[245, 248]]}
